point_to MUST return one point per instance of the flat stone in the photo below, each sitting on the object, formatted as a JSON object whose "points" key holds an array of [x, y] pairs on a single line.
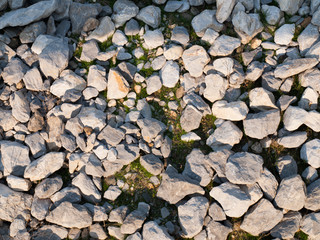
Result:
{"points": [[14, 71], [87, 188], [206, 19], [180, 35], [97, 231], [31, 32], [170, 74], [218, 230], [224, 9], [218, 160], [18, 184], [48, 187], [112, 193], [293, 140], [124, 10], [268, 184], [118, 86], [150, 128], [284, 34], [195, 59], [151, 230], [7, 121], [150, 15], [33, 80], [286, 166], [270, 82], [254, 70], [313, 196], [233, 111], [152, 164], [288, 226], [112, 136], [294, 67], [309, 99], [135, 219], [153, 84], [310, 153], [190, 118], [285, 100], [310, 224], [290, 6], [308, 37], [105, 30], [216, 87], [67, 194], [40, 208], [20, 106], [92, 118], [309, 79], [224, 46], [118, 214], [313, 120], [294, 117], [261, 99], [90, 51]]}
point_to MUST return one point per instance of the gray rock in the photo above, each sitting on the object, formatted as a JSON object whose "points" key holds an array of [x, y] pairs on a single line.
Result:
{"points": [[172, 6], [14, 71], [119, 214], [153, 84], [127, 153], [310, 174], [3, 4], [270, 83], [310, 224], [153, 39], [313, 196], [135, 236], [20, 106], [217, 160], [284, 34], [224, 9], [210, 36], [105, 30], [309, 99], [291, 193], [118, 86], [309, 79], [261, 217], [32, 80], [158, 63], [110, 135], [217, 230], [152, 164], [197, 168], [260, 125], [135, 219], [90, 51], [119, 38], [112, 193], [216, 212], [195, 59], [244, 168], [294, 66], [31, 32], [206, 19], [54, 58], [14, 158], [50, 232], [254, 70], [41, 42], [18, 184], [234, 201], [261, 99], [309, 153], [285, 100], [171, 182], [67, 194], [225, 136], [87, 188], [224, 65], [272, 14], [190, 118], [40, 208], [70, 216], [224, 46], [124, 10], [170, 74], [290, 6], [151, 230], [268, 184], [150, 128], [99, 213], [25, 16], [44, 166], [13, 204], [48, 187], [312, 121], [288, 226], [7, 121], [293, 140], [18, 225], [150, 15], [286, 166], [132, 28], [92, 118], [294, 117], [216, 87], [308, 37], [191, 216], [96, 231], [233, 111], [180, 35]]}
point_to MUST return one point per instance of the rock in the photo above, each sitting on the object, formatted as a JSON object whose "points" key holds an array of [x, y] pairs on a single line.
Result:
{"points": [[288, 226], [97, 231], [260, 125], [234, 201], [97, 77], [48, 187], [118, 86], [150, 128], [190, 136], [25, 16], [150, 15], [14, 71], [284, 34], [261, 99], [224, 65], [310, 174], [119, 214], [152, 164], [119, 38], [247, 25], [40, 208], [191, 216], [44, 166], [70, 216], [197, 168], [170, 74], [291, 193], [254, 70], [270, 83], [308, 37], [151, 230], [244, 168], [32, 80], [171, 184], [87, 188], [313, 195], [312, 121], [41, 42], [50, 232], [90, 51], [294, 66], [284, 101], [309, 153], [127, 153], [272, 14], [290, 6], [80, 13], [294, 117], [135, 219], [268, 184], [153, 39], [18, 184], [210, 36], [153, 84], [206, 19], [112, 193], [31, 32], [310, 224], [309, 99], [110, 135], [216, 212], [217, 230], [217, 161], [224, 46], [54, 58], [286, 166], [67, 194], [293, 140], [7, 121], [180, 35], [190, 118], [124, 10], [105, 30], [92, 118], [224, 136], [233, 111], [224, 9], [13, 204], [195, 59], [216, 87], [261, 217], [172, 6], [20, 106], [309, 79]]}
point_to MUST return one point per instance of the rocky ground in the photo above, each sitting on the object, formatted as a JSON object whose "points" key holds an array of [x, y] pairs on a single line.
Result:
{"points": [[159, 120]]}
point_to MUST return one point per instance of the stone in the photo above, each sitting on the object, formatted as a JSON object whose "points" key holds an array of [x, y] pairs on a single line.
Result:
{"points": [[216, 212], [260, 125], [308, 37], [119, 38], [254, 70], [44, 166], [217, 161], [97, 231], [18, 184], [190, 136], [70, 216], [124, 10], [87, 188], [272, 14], [25, 16], [48, 187], [293, 140], [294, 117], [270, 83], [291, 194], [119, 214], [210, 36], [180, 35], [135, 219], [92, 118], [284, 34], [195, 59], [288, 226], [20, 106], [261, 99], [118, 86], [41, 42], [54, 58], [216, 87], [68, 194], [224, 9], [312, 121], [285, 100], [217, 230], [153, 84], [31, 32], [152, 164], [225, 136], [150, 128], [310, 153], [14, 71], [7, 121], [172, 6], [150, 15], [290, 6], [310, 224], [170, 74], [206, 19], [175, 186], [14, 158], [132, 28], [112, 193], [151, 230], [224, 65], [234, 201], [313, 195], [158, 63], [153, 39], [224, 46], [197, 168], [172, 52], [33, 80], [233, 111], [268, 184], [286, 166], [261, 217], [310, 174], [191, 216], [127, 153], [309, 99], [244, 168], [111, 136], [13, 204], [190, 118], [294, 67], [105, 30], [309, 79], [90, 51]]}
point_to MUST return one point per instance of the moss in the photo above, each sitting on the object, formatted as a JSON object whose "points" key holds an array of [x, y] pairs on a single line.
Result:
{"points": [[77, 52], [105, 45], [301, 235], [147, 72], [137, 167], [296, 89], [87, 65], [297, 32]]}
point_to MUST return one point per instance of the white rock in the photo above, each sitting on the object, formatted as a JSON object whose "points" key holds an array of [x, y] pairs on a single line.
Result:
{"points": [[284, 34]]}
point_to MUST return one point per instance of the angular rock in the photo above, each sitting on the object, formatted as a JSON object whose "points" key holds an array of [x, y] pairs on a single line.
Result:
{"points": [[293, 140], [153, 39], [313, 196], [124, 10], [190, 118], [153, 84], [216, 87], [18, 184], [180, 35], [110, 135], [294, 117], [31, 32], [7, 121], [97, 77], [90, 51], [233, 111], [294, 67], [135, 219], [151, 230], [92, 118], [290, 6], [310, 153], [170, 74], [152, 164], [286, 166], [195, 59], [87, 188], [32, 80], [217, 230], [284, 34], [67, 194], [14, 71], [288, 226], [118, 86], [308, 37], [224, 9], [272, 14], [223, 65], [48, 187], [205, 20], [150, 128], [105, 30], [261, 99], [310, 224], [112, 193], [40, 208], [20, 106], [150, 15], [224, 46], [268, 184]]}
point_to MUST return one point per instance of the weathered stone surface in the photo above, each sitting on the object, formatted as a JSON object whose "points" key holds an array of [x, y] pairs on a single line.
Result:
{"points": [[233, 111], [97, 77], [286, 166], [48, 187], [224, 46], [294, 117], [110, 135], [190, 118], [293, 140], [310, 224], [92, 118], [18, 184], [261, 99], [20, 106], [31, 32], [14, 71], [118, 87], [217, 230], [313, 196], [170, 74], [310, 153], [195, 59], [87, 188], [40, 208], [105, 30], [150, 128], [152, 164], [268, 184], [290, 6], [216, 87], [224, 9], [33, 81], [308, 37], [7, 121], [150, 15], [135, 219], [294, 66], [288, 226], [284, 34], [151, 230], [124, 10]]}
